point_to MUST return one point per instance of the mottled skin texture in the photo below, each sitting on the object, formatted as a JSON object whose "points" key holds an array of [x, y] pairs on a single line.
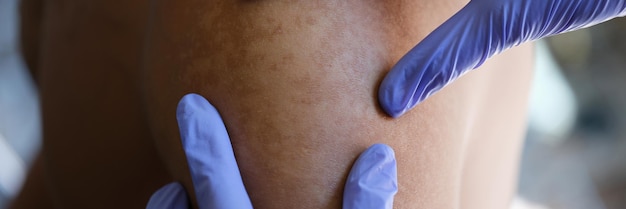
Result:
{"points": [[295, 82]]}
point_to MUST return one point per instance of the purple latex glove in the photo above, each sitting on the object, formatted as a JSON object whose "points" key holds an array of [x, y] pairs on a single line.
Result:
{"points": [[372, 182], [214, 172], [480, 30]]}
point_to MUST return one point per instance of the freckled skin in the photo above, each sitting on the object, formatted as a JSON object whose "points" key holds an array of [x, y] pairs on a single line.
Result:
{"points": [[295, 82]]}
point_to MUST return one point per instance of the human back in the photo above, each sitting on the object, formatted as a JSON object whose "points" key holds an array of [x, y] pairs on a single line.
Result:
{"points": [[295, 82]]}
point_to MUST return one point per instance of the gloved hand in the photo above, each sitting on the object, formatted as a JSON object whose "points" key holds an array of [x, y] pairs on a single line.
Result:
{"points": [[372, 182], [480, 30]]}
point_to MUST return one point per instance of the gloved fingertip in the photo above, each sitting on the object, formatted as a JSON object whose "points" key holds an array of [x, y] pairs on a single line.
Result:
{"points": [[210, 157], [192, 110], [379, 159], [170, 196], [381, 150], [372, 182], [390, 98], [190, 103]]}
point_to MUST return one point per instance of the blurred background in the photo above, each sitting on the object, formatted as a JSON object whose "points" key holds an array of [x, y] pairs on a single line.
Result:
{"points": [[20, 129], [575, 152]]}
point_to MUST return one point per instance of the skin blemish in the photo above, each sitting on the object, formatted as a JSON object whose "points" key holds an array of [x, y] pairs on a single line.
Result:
{"points": [[278, 30], [310, 20]]}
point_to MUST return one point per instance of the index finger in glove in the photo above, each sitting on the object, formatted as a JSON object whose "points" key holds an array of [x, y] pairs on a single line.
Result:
{"points": [[373, 181], [214, 171], [480, 30]]}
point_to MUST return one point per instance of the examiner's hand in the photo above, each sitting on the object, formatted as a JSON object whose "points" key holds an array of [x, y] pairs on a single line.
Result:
{"points": [[480, 30], [371, 184]]}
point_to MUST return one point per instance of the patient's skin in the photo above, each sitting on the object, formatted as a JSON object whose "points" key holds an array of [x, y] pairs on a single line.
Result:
{"points": [[295, 82]]}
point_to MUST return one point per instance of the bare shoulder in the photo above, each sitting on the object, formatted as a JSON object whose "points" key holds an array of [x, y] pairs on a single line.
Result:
{"points": [[295, 82]]}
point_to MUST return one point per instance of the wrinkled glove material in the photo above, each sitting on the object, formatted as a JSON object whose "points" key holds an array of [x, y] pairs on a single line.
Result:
{"points": [[477, 32]]}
